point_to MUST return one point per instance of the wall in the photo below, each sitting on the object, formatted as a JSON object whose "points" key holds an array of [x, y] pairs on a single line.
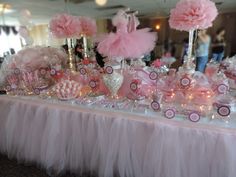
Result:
{"points": [[42, 37], [228, 21]]}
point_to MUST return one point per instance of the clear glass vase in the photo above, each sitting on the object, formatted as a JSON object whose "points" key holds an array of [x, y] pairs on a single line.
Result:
{"points": [[71, 55]]}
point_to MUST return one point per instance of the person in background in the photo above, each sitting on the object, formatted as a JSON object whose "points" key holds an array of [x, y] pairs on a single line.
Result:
{"points": [[169, 48], [99, 57], [202, 50], [65, 48], [79, 48], [184, 52], [148, 58], [218, 45]]}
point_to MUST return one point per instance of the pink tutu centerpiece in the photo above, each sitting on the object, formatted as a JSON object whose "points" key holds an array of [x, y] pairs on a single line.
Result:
{"points": [[127, 42]]}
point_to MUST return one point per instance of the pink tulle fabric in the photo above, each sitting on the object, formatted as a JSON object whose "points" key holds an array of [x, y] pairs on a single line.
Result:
{"points": [[193, 14], [65, 26], [35, 58], [88, 26], [79, 139], [126, 44]]}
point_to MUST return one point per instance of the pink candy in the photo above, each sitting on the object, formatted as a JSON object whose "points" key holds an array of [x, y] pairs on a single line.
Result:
{"points": [[67, 89]]}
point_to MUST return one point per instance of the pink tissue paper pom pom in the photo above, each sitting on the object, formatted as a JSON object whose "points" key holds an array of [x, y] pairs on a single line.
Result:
{"points": [[88, 26], [193, 14], [64, 26]]}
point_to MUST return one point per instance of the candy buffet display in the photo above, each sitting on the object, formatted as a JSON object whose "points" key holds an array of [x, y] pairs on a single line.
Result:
{"points": [[121, 85], [148, 89]]}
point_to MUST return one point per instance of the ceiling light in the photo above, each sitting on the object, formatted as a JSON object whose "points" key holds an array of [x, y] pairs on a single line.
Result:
{"points": [[101, 2]]}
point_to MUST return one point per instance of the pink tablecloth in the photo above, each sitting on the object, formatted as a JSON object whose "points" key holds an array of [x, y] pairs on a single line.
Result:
{"points": [[66, 137]]}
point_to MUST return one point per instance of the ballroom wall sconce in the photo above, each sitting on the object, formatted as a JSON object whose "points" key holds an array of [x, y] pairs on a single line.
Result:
{"points": [[158, 27]]}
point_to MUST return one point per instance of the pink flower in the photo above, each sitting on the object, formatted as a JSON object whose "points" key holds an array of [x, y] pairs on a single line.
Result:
{"points": [[193, 14], [88, 26], [65, 26]]}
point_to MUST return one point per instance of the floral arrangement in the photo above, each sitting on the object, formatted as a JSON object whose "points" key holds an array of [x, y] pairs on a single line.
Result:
{"points": [[191, 14]]}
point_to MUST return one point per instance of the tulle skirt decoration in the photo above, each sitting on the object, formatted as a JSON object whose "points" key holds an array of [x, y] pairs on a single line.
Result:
{"points": [[128, 45], [60, 137]]}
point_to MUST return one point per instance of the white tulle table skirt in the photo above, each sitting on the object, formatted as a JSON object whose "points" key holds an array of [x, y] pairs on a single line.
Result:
{"points": [[63, 137]]}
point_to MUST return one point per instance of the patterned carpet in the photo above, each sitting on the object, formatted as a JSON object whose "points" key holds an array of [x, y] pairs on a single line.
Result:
{"points": [[10, 168]]}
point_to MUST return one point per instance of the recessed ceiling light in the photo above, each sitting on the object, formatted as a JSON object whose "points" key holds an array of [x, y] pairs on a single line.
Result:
{"points": [[101, 2]]}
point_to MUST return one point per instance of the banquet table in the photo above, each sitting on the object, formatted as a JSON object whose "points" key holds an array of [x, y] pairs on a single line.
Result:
{"points": [[63, 136]]}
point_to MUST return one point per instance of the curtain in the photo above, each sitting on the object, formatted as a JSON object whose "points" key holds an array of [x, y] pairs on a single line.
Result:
{"points": [[8, 30]]}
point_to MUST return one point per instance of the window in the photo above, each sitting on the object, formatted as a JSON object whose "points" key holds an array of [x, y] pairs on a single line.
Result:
{"points": [[9, 41]]}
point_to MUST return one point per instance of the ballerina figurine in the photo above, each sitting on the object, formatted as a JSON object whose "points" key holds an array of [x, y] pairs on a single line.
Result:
{"points": [[127, 42]]}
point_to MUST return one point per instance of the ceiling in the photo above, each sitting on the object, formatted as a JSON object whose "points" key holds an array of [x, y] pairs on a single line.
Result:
{"points": [[43, 10]]}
